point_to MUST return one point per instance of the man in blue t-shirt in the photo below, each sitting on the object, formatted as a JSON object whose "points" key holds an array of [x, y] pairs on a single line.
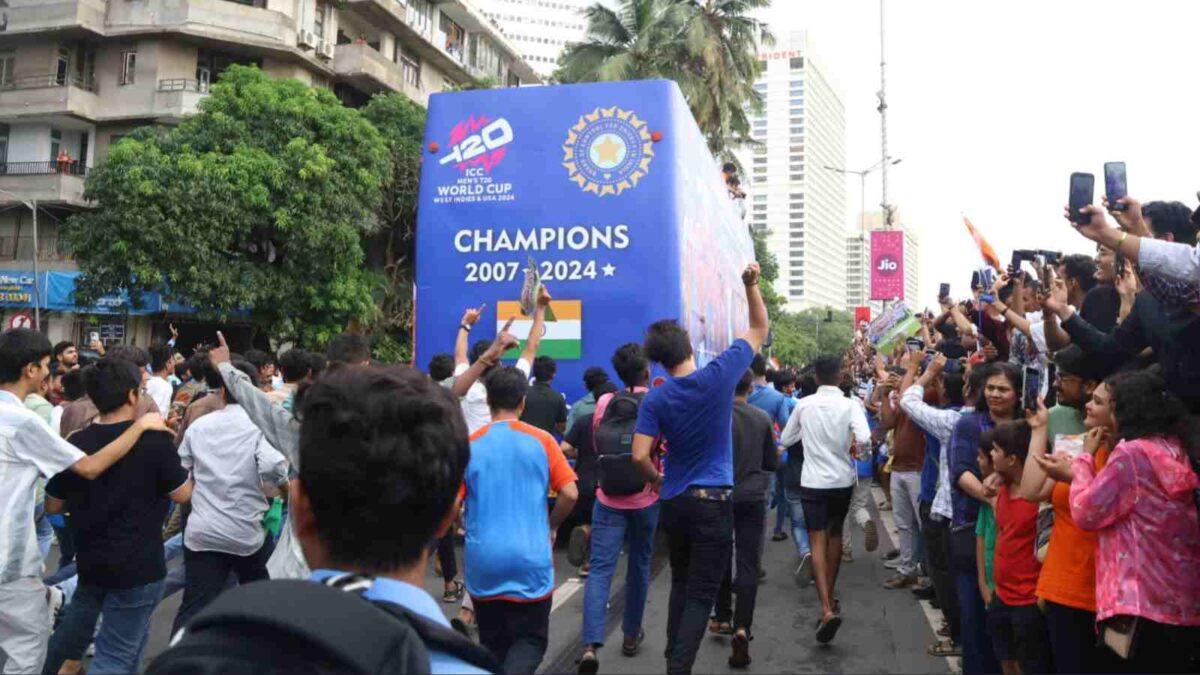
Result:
{"points": [[693, 413]]}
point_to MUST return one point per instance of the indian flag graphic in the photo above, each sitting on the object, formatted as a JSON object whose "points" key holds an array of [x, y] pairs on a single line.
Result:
{"points": [[562, 337]]}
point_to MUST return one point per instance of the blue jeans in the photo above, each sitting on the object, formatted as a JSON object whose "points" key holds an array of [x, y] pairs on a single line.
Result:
{"points": [[977, 653], [123, 633], [609, 529], [799, 530], [778, 500]]}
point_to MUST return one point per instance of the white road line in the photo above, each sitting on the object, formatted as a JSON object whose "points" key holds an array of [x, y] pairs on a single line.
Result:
{"points": [[933, 616], [564, 592]]}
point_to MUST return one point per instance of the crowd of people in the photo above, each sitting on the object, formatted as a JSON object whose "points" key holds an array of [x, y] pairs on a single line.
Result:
{"points": [[1035, 442]]}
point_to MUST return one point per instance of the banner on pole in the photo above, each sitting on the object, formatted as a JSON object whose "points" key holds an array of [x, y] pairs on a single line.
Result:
{"points": [[887, 265]]}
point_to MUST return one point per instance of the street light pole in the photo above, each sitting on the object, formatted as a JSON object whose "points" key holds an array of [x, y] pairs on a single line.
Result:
{"points": [[37, 295], [887, 213]]}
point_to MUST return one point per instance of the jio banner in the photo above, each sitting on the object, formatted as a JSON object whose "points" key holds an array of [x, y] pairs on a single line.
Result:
{"points": [[887, 265], [609, 189]]}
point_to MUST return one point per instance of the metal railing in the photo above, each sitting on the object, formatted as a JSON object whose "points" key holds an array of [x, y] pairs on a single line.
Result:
{"points": [[72, 168], [183, 84], [47, 81]]}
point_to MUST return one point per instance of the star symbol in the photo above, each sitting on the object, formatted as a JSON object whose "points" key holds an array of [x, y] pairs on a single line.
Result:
{"points": [[609, 270], [607, 150]]}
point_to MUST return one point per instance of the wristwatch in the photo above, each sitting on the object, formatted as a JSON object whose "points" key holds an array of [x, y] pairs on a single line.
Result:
{"points": [[465, 327]]}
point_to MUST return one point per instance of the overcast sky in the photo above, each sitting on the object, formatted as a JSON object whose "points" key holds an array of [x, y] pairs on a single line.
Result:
{"points": [[992, 105]]}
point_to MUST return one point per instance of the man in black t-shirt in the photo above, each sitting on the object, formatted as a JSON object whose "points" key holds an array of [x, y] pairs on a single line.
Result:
{"points": [[116, 524], [545, 408]]}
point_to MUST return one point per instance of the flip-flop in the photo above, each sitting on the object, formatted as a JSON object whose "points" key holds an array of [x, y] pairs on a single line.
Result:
{"points": [[943, 648], [740, 658], [826, 630]]}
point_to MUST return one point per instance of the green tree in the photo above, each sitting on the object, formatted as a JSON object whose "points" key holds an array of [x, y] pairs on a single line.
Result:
{"points": [[801, 337], [391, 249], [769, 272], [259, 201], [708, 47]]}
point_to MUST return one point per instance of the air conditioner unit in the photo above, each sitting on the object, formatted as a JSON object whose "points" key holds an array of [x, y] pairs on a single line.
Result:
{"points": [[307, 39], [325, 51]]}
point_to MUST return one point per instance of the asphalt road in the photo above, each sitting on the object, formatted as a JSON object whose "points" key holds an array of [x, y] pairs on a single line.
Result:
{"points": [[884, 631]]}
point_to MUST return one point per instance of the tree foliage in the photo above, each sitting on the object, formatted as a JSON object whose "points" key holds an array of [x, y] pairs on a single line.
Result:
{"points": [[392, 249], [796, 335], [708, 47], [259, 202]]}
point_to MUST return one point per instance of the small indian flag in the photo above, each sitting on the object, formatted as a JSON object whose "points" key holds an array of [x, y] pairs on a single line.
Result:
{"points": [[562, 337]]}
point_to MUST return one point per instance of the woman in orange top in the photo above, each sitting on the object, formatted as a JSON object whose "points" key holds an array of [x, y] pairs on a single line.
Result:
{"points": [[1066, 588]]}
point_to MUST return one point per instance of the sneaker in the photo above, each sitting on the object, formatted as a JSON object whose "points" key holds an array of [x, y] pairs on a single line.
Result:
{"points": [[872, 536], [893, 564], [892, 554], [847, 556], [577, 548], [741, 649], [589, 663], [779, 536], [901, 581], [804, 573], [56, 600], [454, 593]]}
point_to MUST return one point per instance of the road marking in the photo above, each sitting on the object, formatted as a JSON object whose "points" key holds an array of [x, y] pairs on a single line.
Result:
{"points": [[564, 592], [933, 616]]}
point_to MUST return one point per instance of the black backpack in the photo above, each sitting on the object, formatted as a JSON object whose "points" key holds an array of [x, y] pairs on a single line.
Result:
{"points": [[293, 626], [613, 442]]}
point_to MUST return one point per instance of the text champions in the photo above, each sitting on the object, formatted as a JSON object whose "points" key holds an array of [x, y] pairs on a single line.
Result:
{"points": [[577, 238]]}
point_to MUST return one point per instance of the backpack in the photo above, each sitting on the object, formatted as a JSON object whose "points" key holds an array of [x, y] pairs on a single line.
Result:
{"points": [[295, 626], [613, 442]]}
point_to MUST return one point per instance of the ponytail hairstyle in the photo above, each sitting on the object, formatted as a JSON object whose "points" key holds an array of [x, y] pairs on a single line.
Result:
{"points": [[1143, 407]]}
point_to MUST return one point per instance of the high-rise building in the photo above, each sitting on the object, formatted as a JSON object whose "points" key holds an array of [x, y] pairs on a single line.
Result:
{"points": [[541, 29], [793, 197], [858, 262], [77, 75]]}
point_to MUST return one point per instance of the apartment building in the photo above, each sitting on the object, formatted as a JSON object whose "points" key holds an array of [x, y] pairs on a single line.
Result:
{"points": [[77, 75]]}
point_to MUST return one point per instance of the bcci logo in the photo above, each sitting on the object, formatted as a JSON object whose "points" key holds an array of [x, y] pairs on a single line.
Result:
{"points": [[608, 151]]}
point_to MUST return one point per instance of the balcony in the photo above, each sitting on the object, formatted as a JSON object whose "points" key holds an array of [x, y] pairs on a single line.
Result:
{"points": [[50, 94], [365, 69], [218, 20], [73, 16], [177, 98], [47, 182]]}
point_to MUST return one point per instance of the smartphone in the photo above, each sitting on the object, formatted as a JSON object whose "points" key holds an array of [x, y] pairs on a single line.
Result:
{"points": [[943, 291], [1119, 265], [1030, 389], [988, 298], [1017, 258], [976, 280], [914, 344], [1083, 192], [93, 337], [1051, 394], [1115, 186]]}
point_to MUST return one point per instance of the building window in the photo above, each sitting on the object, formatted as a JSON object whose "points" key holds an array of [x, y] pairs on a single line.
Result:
{"points": [[128, 66], [412, 68], [55, 144], [8, 62], [420, 17], [797, 63], [319, 21]]}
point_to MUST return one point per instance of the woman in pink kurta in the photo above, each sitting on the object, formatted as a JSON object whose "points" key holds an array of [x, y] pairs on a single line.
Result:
{"points": [[1142, 505]]}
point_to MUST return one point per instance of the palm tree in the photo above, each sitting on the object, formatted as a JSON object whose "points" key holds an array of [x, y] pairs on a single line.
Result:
{"points": [[722, 41], [709, 47]]}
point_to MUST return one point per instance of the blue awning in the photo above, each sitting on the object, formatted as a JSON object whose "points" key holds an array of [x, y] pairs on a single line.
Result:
{"points": [[56, 292]]}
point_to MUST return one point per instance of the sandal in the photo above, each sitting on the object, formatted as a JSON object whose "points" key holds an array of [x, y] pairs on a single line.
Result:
{"points": [[720, 627], [589, 664], [826, 630], [453, 595], [943, 648]]}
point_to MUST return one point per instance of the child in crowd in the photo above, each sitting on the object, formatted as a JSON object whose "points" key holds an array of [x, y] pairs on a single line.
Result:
{"points": [[985, 526], [1016, 625]]}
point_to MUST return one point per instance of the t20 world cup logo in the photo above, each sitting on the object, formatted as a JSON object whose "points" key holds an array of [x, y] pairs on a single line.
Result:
{"points": [[479, 141]]}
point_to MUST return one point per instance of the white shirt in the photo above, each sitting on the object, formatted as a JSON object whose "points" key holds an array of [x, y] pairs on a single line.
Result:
{"points": [[474, 404], [56, 417], [939, 423], [230, 459], [29, 448], [828, 423], [160, 391], [1170, 260]]}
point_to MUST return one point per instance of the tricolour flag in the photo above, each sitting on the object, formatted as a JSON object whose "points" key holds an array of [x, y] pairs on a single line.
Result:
{"points": [[985, 249], [562, 337]]}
